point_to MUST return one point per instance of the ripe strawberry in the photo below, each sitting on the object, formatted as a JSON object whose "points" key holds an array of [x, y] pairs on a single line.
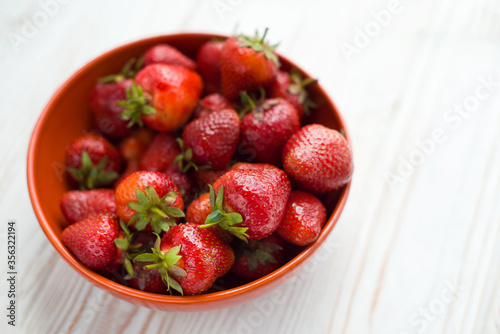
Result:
{"points": [[189, 259], [184, 183], [198, 211], [292, 87], [247, 63], [79, 204], [93, 161], [91, 240], [250, 203], [265, 131], [160, 153], [104, 100], [210, 103], [149, 199], [256, 259], [163, 97], [318, 159], [212, 140], [254, 166], [208, 61], [166, 54], [132, 147], [304, 217]]}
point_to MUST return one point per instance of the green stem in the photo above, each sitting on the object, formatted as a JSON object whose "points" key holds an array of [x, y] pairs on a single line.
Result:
{"points": [[159, 212], [155, 266], [264, 36]]}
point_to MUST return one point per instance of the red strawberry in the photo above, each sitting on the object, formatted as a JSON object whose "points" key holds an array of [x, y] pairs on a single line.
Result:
{"points": [[247, 63], [197, 213], [190, 259], [258, 258], [160, 153], [248, 165], [91, 240], [265, 131], [207, 177], [104, 100], [208, 61], [318, 159], [292, 87], [250, 203], [304, 217], [149, 199], [163, 97], [93, 161], [132, 147], [212, 140], [166, 54], [79, 204], [212, 102], [184, 183]]}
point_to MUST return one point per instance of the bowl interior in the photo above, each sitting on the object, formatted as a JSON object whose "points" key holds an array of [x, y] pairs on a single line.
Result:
{"points": [[68, 116]]}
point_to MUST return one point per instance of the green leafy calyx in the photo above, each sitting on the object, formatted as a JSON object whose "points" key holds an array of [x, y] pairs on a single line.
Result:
{"points": [[129, 70], [129, 248], [185, 159], [136, 105], [259, 44], [225, 220], [91, 175], [298, 87], [165, 263], [151, 209]]}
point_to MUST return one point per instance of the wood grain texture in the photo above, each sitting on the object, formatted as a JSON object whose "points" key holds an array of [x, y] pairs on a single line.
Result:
{"points": [[418, 257]]}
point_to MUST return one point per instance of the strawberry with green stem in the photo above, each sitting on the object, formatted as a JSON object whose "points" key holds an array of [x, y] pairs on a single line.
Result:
{"points": [[93, 161], [163, 97], [249, 203], [267, 127], [189, 259], [104, 98], [211, 140], [149, 200], [247, 63], [293, 88]]}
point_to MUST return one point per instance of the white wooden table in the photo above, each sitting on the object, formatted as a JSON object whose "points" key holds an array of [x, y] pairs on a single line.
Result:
{"points": [[417, 249]]}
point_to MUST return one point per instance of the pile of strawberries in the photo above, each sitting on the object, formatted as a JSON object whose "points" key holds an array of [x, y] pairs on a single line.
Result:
{"points": [[202, 169]]}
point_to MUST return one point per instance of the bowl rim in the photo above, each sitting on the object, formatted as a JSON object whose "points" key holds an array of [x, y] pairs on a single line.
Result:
{"points": [[108, 284]]}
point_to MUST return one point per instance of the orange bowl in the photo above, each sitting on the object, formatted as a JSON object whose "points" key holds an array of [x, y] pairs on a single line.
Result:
{"points": [[68, 116]]}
